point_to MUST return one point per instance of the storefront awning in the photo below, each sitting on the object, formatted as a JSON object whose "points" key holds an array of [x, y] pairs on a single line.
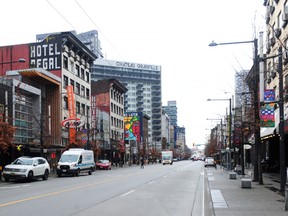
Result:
{"points": [[268, 131]]}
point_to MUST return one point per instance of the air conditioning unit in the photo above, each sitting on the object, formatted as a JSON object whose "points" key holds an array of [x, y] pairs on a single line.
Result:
{"points": [[268, 49], [285, 57], [267, 17], [269, 80], [285, 17], [277, 32], [272, 74], [270, 9], [272, 41]]}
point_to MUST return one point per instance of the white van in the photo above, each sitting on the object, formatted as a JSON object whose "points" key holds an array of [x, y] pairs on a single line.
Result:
{"points": [[76, 160]]}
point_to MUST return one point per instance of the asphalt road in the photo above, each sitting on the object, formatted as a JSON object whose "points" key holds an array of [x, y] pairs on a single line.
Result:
{"points": [[163, 190]]}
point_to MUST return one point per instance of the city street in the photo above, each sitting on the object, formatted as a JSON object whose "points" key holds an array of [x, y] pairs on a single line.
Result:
{"points": [[179, 189]]}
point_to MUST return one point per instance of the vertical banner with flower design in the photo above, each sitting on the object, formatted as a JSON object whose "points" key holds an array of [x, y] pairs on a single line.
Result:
{"points": [[267, 117]]}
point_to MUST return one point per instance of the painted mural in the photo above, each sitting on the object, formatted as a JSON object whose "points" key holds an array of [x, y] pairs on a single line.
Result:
{"points": [[132, 123]]}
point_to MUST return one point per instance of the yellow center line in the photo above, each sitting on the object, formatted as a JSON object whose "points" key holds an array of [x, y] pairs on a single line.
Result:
{"points": [[62, 191]]}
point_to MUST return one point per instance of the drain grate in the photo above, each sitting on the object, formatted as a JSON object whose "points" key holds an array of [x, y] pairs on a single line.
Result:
{"points": [[275, 190], [272, 189]]}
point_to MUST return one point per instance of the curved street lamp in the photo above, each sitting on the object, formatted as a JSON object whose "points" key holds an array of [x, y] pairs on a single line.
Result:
{"points": [[213, 43], [257, 162], [20, 60]]}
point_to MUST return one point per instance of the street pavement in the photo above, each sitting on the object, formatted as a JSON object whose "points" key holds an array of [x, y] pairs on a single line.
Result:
{"points": [[230, 199]]}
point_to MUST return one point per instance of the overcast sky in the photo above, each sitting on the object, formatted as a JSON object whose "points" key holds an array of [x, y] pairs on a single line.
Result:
{"points": [[173, 34]]}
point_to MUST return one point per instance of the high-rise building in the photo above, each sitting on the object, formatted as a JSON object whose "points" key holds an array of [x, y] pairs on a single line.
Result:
{"points": [[171, 110], [143, 82]]}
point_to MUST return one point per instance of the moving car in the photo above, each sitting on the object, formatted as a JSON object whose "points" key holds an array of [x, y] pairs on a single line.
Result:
{"points": [[28, 168], [75, 161], [103, 164], [167, 157], [209, 161]]}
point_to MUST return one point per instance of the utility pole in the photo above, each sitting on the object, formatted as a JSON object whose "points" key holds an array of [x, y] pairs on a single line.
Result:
{"points": [[88, 130], [257, 160], [283, 171]]}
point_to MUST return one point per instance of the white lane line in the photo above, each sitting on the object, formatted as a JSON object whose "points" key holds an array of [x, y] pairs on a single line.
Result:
{"points": [[203, 195], [151, 182], [14, 187], [127, 193], [218, 199]]}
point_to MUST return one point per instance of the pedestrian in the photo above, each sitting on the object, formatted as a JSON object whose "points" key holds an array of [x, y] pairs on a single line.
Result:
{"points": [[142, 163]]}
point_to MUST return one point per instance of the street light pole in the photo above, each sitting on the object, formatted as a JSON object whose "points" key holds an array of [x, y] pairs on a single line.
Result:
{"points": [[213, 43], [21, 60], [283, 171], [257, 160]]}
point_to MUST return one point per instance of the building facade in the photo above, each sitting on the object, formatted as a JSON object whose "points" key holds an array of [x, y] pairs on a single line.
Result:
{"points": [[108, 97], [64, 56], [171, 110], [166, 131], [143, 82]]}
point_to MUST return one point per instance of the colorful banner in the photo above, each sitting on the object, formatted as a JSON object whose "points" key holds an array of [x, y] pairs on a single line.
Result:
{"points": [[269, 95], [72, 112], [267, 117]]}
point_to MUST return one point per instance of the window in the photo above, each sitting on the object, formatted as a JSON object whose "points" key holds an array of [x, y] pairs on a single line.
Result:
{"points": [[65, 102], [83, 109], [72, 66], [65, 83], [65, 62], [77, 107], [72, 84], [77, 90], [87, 93], [82, 73], [77, 70], [41, 161], [82, 91], [87, 77]]}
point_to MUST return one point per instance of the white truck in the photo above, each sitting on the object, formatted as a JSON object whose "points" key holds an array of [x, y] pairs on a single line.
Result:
{"points": [[76, 160], [167, 157]]}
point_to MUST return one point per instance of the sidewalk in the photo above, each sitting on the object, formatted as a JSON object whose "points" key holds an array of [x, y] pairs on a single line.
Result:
{"points": [[229, 198]]}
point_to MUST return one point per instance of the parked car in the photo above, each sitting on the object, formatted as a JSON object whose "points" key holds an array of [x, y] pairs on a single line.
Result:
{"points": [[209, 161], [28, 168], [103, 164]]}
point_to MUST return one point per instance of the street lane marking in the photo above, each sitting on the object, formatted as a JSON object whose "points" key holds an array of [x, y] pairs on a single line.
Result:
{"points": [[218, 199], [127, 193], [63, 191], [151, 182], [203, 195], [14, 187], [211, 178]]}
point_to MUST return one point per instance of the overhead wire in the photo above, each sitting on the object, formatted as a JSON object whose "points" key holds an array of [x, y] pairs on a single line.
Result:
{"points": [[60, 14], [98, 28], [76, 28]]}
